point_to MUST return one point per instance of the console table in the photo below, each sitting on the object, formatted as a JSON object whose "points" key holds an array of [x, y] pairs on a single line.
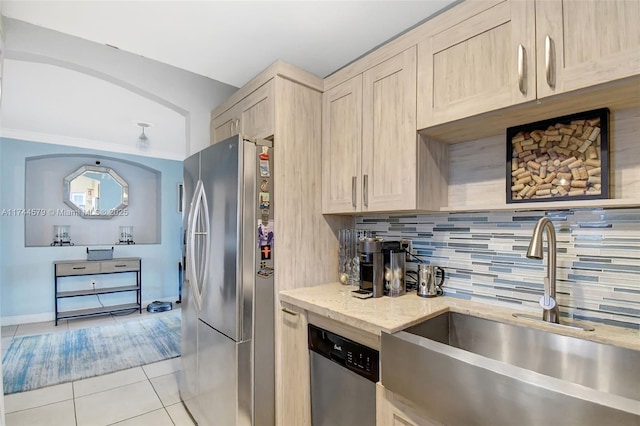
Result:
{"points": [[71, 268]]}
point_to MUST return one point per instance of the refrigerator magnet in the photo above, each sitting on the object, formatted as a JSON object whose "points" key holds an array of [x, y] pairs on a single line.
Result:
{"points": [[265, 233], [264, 155], [264, 168], [264, 185], [265, 216], [265, 271], [265, 253], [264, 200]]}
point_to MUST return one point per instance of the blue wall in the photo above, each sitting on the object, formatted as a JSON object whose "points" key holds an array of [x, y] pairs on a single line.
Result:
{"points": [[26, 273]]}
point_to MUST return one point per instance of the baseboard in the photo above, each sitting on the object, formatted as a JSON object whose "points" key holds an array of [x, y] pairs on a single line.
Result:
{"points": [[50, 316], [27, 319]]}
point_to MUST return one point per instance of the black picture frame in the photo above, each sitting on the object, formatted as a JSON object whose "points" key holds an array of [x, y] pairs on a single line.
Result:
{"points": [[582, 172]]}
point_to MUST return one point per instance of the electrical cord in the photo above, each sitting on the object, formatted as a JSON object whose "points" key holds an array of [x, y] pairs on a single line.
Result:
{"points": [[411, 285], [123, 313], [97, 295], [413, 255], [128, 312]]}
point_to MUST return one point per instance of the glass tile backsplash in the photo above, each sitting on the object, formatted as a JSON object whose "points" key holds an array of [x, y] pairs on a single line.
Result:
{"points": [[598, 258]]}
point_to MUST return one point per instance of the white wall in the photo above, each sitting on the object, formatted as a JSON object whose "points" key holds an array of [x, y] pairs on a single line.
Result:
{"points": [[76, 86]]}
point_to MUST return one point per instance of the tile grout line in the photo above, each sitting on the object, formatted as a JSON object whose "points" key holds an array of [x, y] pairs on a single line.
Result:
{"points": [[138, 415], [135, 417], [40, 406], [164, 407], [115, 387], [75, 410]]}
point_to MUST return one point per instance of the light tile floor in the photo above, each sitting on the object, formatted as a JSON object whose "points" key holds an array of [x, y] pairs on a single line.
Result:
{"points": [[146, 395]]}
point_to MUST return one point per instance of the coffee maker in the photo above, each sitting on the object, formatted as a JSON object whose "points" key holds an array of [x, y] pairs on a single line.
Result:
{"points": [[375, 268], [393, 257]]}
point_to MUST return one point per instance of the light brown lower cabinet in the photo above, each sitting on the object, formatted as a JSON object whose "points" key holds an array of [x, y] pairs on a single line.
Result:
{"points": [[293, 380], [394, 410]]}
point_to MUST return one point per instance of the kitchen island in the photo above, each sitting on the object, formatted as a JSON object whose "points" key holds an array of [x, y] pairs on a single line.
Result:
{"points": [[331, 306]]}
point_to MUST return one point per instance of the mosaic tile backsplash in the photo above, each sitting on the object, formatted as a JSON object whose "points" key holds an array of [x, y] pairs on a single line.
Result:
{"points": [[484, 255]]}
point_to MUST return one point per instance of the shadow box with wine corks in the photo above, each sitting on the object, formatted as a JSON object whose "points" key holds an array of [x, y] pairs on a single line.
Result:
{"points": [[564, 158]]}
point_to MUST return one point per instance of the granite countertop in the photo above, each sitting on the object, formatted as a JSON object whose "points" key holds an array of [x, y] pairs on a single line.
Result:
{"points": [[391, 314]]}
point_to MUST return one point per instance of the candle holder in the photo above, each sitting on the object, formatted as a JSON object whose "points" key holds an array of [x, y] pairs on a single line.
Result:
{"points": [[61, 235], [126, 235]]}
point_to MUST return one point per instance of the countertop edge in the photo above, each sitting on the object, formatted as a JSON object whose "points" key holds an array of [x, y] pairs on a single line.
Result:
{"points": [[358, 323], [324, 300]]}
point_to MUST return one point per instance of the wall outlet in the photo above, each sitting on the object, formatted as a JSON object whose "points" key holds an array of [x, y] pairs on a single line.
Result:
{"points": [[407, 245]]}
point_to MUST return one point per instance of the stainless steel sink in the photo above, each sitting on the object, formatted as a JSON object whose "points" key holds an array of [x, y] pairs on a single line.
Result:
{"points": [[465, 370]]}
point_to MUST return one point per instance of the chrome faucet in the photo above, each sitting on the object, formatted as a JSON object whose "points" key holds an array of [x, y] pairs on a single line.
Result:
{"points": [[548, 301]]}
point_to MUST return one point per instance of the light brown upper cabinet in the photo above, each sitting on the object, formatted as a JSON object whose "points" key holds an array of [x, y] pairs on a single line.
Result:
{"points": [[252, 116], [225, 125], [581, 43], [389, 142], [372, 158], [342, 147], [481, 64]]}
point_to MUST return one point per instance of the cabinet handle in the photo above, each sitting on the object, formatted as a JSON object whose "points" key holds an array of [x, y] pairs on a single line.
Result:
{"points": [[521, 69], [365, 190], [286, 311], [79, 267], [354, 184], [120, 266], [548, 61]]}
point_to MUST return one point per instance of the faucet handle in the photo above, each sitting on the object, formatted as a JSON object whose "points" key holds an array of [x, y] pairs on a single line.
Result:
{"points": [[547, 303]]}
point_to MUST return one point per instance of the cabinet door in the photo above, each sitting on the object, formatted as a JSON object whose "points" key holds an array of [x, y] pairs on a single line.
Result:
{"points": [[389, 134], [225, 125], [293, 383], [253, 116], [341, 147], [482, 64], [392, 410], [586, 42], [256, 112]]}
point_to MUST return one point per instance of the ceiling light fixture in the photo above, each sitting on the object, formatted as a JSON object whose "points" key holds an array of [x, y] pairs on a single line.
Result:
{"points": [[143, 137]]}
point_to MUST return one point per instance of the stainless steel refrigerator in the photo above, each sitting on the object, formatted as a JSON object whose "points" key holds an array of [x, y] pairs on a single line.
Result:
{"points": [[227, 375]]}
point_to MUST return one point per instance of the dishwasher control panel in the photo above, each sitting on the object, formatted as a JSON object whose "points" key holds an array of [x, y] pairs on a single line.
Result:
{"points": [[354, 356]]}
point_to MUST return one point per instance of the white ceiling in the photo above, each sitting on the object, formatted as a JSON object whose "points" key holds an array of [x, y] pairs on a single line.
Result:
{"points": [[231, 41]]}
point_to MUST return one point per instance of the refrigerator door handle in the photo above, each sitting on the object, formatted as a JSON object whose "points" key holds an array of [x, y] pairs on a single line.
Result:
{"points": [[198, 244]]}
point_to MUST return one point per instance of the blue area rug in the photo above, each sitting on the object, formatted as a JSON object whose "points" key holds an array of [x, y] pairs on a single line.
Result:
{"points": [[32, 362]]}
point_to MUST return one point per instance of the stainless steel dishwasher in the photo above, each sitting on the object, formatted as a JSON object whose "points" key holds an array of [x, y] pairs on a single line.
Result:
{"points": [[343, 380]]}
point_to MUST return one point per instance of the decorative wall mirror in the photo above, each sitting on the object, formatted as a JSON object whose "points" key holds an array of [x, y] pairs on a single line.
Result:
{"points": [[96, 192]]}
